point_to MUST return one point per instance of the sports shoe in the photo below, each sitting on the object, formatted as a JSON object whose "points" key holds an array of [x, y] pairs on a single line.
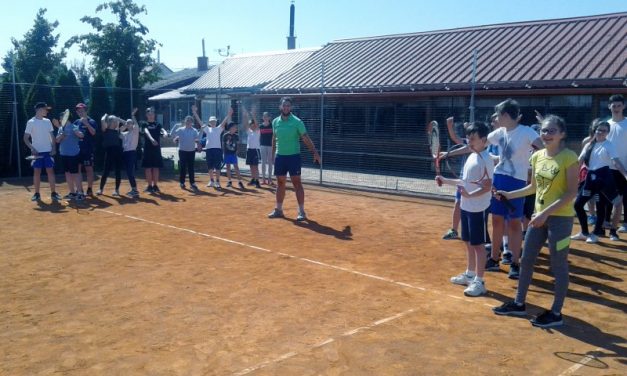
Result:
{"points": [[507, 258], [194, 187], [510, 309], [229, 184], [301, 216], [133, 193], [210, 184], [514, 271], [623, 228], [492, 265], [476, 288], [276, 213], [451, 234], [36, 197], [579, 236], [592, 220], [251, 182], [90, 192], [115, 193], [182, 185], [99, 192], [80, 197], [548, 319], [462, 279], [70, 196], [55, 196], [240, 184], [155, 189], [614, 236], [592, 239], [257, 185], [148, 189]]}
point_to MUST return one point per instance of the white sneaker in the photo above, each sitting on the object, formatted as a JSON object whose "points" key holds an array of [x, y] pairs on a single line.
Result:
{"points": [[475, 288], [623, 228], [614, 237], [462, 279], [115, 193], [579, 236], [99, 193], [210, 184], [592, 239]]}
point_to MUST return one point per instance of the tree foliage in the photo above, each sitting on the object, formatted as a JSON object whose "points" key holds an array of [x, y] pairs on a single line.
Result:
{"points": [[67, 92], [115, 46], [35, 52], [40, 91]]}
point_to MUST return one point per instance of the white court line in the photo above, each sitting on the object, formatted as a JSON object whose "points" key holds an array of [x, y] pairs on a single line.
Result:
{"points": [[323, 343], [315, 262], [585, 360]]}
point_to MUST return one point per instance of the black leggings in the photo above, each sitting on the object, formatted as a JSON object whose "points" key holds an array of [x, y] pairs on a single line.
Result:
{"points": [[113, 158], [598, 181]]}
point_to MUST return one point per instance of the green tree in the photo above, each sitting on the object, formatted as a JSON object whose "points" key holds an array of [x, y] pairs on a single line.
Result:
{"points": [[7, 133], [67, 92], [118, 46], [35, 52], [40, 91], [100, 104]]}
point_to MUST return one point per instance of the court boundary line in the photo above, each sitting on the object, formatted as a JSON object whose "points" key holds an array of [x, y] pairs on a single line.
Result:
{"points": [[325, 342], [586, 359], [304, 259]]}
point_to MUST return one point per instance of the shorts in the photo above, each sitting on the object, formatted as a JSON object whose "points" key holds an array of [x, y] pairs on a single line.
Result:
{"points": [[70, 163], [214, 158], [621, 183], [474, 226], [230, 159], [253, 156], [284, 164], [508, 184], [152, 157], [46, 161], [86, 158]]}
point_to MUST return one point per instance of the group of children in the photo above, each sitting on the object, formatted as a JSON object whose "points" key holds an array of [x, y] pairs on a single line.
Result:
{"points": [[498, 184], [120, 139]]}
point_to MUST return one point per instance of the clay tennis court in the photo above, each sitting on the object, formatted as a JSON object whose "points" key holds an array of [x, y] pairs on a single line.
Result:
{"points": [[186, 284]]}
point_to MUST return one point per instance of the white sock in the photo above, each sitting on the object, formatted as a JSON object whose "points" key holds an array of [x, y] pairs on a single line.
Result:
{"points": [[279, 205], [470, 273], [301, 208], [478, 279]]}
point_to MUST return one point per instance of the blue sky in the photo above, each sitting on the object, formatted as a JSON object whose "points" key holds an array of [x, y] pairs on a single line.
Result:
{"points": [[262, 25]]}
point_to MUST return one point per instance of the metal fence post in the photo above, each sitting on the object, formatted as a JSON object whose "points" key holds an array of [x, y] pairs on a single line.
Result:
{"points": [[321, 119]]}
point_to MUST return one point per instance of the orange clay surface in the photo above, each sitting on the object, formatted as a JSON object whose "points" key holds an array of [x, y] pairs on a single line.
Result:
{"points": [[205, 284]]}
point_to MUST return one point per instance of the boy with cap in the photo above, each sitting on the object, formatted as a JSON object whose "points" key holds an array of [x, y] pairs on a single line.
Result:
{"points": [[39, 138]]}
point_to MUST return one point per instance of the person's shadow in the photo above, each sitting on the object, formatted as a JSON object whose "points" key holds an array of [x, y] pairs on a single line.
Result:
{"points": [[613, 346], [52, 207], [344, 234]]}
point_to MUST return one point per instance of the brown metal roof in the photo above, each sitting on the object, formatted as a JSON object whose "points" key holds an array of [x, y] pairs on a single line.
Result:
{"points": [[248, 71], [583, 51]]}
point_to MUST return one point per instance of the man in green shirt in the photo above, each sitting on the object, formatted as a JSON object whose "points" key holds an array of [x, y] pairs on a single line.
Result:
{"points": [[288, 131]]}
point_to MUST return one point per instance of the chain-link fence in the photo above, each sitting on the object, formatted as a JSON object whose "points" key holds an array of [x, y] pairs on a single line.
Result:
{"points": [[374, 140]]}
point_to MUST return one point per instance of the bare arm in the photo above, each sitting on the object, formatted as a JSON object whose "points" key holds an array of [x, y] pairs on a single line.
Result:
{"points": [[226, 119], [451, 132], [196, 117], [103, 122], [312, 148], [29, 145]]}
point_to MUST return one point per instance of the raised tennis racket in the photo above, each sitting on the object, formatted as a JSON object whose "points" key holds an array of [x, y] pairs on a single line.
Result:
{"points": [[454, 164], [434, 148], [65, 116]]}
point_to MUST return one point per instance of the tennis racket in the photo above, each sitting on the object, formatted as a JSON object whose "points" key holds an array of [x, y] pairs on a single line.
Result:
{"points": [[65, 116], [453, 165], [33, 157], [434, 148]]}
